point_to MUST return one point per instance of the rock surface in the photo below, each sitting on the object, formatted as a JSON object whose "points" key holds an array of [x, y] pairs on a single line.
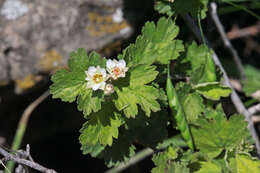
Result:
{"points": [[37, 36]]}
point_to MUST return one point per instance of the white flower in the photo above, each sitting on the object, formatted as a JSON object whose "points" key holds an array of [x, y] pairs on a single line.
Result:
{"points": [[109, 89], [116, 69], [96, 78]]}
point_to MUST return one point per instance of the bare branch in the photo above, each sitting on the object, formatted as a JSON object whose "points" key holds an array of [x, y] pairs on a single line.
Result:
{"points": [[256, 118], [234, 96], [226, 41], [254, 109], [31, 164]]}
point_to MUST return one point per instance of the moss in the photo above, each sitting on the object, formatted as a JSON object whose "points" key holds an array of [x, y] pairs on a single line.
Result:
{"points": [[101, 25]]}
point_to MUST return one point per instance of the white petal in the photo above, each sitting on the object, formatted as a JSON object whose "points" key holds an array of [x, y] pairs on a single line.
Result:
{"points": [[91, 70], [103, 72], [88, 78], [90, 84], [110, 64], [96, 86], [121, 63], [102, 86]]}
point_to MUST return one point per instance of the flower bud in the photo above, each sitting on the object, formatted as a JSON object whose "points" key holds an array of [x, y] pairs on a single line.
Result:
{"points": [[109, 89]]}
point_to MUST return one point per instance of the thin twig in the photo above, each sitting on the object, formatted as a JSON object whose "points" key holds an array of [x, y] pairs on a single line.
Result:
{"points": [[23, 124], [2, 163], [244, 32], [234, 96], [138, 157], [15, 158], [256, 118], [254, 109], [226, 41]]}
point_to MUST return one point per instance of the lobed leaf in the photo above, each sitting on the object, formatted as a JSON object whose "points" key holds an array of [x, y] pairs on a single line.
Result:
{"points": [[155, 45], [212, 90], [89, 103], [243, 163], [212, 136], [102, 127], [191, 101], [145, 96], [252, 83], [202, 65], [181, 7], [164, 162], [69, 85], [207, 167]]}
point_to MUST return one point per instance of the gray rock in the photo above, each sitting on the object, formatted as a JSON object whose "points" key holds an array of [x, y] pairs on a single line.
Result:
{"points": [[37, 36]]}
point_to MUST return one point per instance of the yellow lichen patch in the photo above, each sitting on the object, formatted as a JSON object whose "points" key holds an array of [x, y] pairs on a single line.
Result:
{"points": [[27, 82], [3, 83], [51, 61], [100, 25]]}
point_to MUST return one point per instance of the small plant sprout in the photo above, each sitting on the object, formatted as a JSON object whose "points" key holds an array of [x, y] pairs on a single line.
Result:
{"points": [[96, 78], [116, 69], [109, 89]]}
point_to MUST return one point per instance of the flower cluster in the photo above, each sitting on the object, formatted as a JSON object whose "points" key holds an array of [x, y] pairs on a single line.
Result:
{"points": [[97, 77]]}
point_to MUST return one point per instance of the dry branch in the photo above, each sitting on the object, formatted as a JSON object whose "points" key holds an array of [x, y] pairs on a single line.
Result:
{"points": [[12, 157], [254, 109], [226, 41], [244, 32]]}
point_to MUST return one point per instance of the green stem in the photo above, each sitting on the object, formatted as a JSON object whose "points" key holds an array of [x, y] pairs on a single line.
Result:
{"points": [[16, 144], [22, 128], [244, 9], [200, 27], [136, 158]]}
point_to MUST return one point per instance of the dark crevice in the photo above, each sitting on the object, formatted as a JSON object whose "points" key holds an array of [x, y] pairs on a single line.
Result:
{"points": [[8, 65]]}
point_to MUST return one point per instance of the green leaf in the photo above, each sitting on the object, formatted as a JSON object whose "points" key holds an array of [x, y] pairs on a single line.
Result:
{"points": [[176, 141], [156, 124], [164, 7], [145, 96], [81, 61], [121, 150], [70, 84], [164, 162], [213, 136], [252, 83], [193, 106], [192, 102], [202, 65], [67, 85], [243, 163], [93, 150], [181, 7], [142, 74], [102, 127], [212, 90], [87, 103], [207, 167], [156, 44]]}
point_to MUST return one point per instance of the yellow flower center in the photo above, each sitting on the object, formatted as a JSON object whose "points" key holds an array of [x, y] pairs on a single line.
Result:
{"points": [[97, 78], [116, 71]]}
